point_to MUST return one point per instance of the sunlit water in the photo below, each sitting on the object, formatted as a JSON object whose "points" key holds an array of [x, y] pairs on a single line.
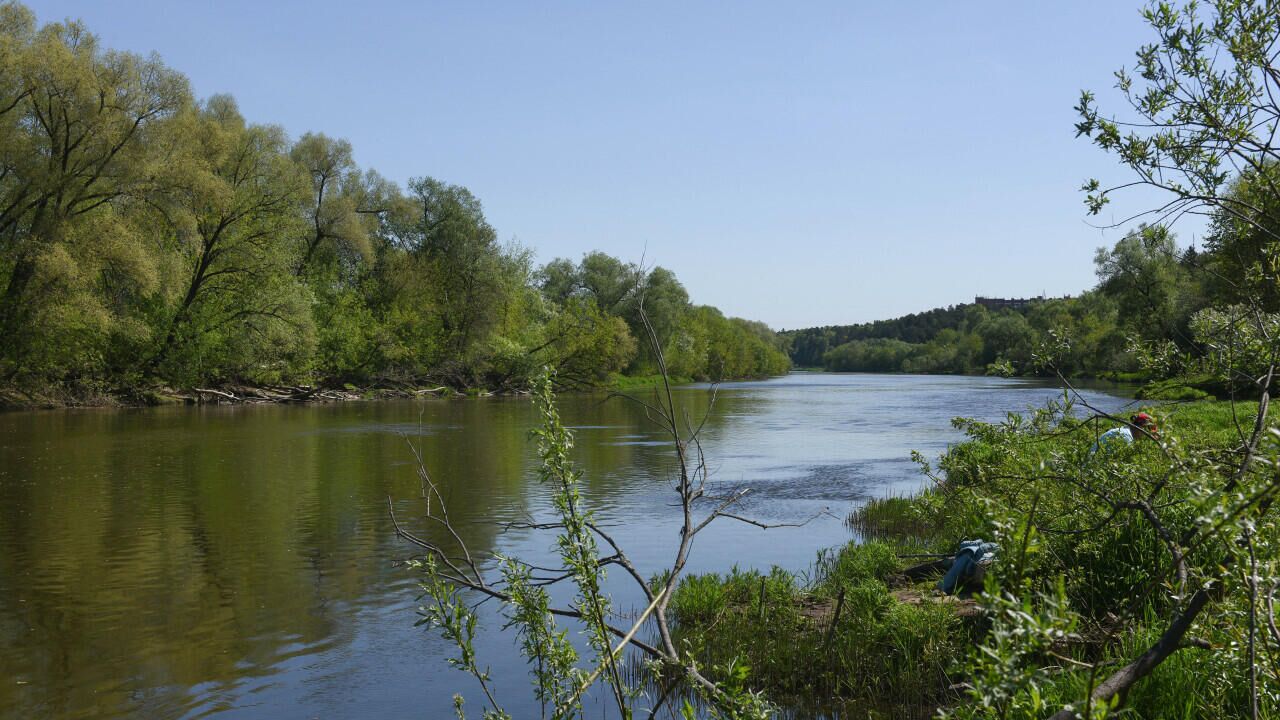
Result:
{"points": [[240, 562]]}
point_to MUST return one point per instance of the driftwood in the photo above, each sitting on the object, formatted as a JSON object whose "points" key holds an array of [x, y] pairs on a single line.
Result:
{"points": [[272, 394], [218, 393], [256, 394]]}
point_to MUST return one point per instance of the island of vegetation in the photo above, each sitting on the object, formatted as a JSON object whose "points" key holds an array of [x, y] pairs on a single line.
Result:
{"points": [[156, 246]]}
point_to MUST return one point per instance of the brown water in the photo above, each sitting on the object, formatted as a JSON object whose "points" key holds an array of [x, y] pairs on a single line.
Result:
{"points": [[239, 562]]}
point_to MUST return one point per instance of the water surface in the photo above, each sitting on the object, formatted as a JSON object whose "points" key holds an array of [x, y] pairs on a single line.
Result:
{"points": [[239, 561]]}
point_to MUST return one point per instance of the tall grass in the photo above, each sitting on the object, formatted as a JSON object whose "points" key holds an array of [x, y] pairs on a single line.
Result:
{"points": [[839, 637], [853, 638]]}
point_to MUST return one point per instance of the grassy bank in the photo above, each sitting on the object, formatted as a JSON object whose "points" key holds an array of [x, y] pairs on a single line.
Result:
{"points": [[623, 383], [853, 635], [1078, 584]]}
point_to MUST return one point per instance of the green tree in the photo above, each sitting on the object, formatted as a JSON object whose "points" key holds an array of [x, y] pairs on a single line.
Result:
{"points": [[461, 255], [874, 355], [1243, 258], [1203, 101], [338, 221], [1007, 336], [1153, 289], [585, 344], [559, 280], [69, 160], [234, 205], [656, 305], [609, 280]]}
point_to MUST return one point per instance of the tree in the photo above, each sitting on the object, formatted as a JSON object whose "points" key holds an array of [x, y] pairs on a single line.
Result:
{"points": [[147, 237], [875, 355], [584, 344], [1204, 107], [343, 209], [624, 290], [1006, 336], [656, 305], [75, 120], [1145, 275], [1204, 100], [609, 280], [233, 205], [461, 255], [1243, 258], [559, 280], [452, 575]]}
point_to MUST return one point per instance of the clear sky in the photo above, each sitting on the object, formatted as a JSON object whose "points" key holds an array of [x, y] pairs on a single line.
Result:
{"points": [[798, 163]]}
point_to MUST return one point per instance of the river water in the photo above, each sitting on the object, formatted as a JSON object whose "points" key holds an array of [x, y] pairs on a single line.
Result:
{"points": [[239, 561]]}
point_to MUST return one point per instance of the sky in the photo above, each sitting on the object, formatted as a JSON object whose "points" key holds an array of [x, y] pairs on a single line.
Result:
{"points": [[804, 164]]}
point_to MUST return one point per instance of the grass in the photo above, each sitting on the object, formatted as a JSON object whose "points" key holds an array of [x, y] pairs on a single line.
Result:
{"points": [[638, 382], [841, 637], [1175, 389], [1003, 476], [908, 522], [893, 649]]}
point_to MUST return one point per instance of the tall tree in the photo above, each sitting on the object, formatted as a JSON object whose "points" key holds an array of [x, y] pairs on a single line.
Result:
{"points": [[1145, 275], [74, 123], [234, 205], [464, 261], [342, 209]]}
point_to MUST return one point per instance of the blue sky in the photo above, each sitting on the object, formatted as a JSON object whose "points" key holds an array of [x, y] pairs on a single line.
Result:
{"points": [[798, 163]]}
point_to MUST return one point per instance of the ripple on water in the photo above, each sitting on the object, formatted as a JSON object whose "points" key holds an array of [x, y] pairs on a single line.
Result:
{"points": [[182, 562]]}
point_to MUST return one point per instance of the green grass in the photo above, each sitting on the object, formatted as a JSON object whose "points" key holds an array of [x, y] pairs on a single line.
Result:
{"points": [[886, 657], [907, 522], [895, 650], [1002, 475], [1122, 376], [1173, 389], [638, 382]]}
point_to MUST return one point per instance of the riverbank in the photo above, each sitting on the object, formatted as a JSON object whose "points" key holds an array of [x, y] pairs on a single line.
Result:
{"points": [[862, 629], [88, 395], [83, 395]]}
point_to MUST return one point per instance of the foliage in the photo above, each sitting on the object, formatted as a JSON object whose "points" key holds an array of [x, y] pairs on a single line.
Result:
{"points": [[1239, 343], [1007, 670], [697, 341], [452, 574], [160, 239], [787, 639], [1089, 577], [1153, 289]]}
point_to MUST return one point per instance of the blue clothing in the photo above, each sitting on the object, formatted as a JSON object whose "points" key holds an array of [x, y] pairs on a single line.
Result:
{"points": [[971, 553], [1114, 435]]}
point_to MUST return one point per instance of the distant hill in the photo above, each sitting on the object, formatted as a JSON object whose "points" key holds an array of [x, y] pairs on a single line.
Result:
{"points": [[810, 344]]}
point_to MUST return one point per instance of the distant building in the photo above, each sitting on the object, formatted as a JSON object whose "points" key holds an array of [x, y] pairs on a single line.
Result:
{"points": [[1011, 303]]}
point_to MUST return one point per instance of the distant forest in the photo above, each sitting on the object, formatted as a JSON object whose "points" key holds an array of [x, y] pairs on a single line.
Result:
{"points": [[1154, 310], [147, 236]]}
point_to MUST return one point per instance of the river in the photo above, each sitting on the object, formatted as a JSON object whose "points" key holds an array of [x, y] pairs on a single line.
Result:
{"points": [[239, 561]]}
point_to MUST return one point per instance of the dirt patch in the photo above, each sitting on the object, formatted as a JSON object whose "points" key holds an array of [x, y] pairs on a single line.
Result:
{"points": [[964, 606]]}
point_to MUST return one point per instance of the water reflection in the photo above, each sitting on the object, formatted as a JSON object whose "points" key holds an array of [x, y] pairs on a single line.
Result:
{"points": [[185, 562]]}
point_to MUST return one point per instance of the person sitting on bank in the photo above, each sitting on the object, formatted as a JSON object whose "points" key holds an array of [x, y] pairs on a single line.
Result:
{"points": [[1140, 425]]}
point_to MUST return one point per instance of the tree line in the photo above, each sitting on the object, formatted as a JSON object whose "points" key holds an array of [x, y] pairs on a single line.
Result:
{"points": [[1155, 311], [149, 236]]}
